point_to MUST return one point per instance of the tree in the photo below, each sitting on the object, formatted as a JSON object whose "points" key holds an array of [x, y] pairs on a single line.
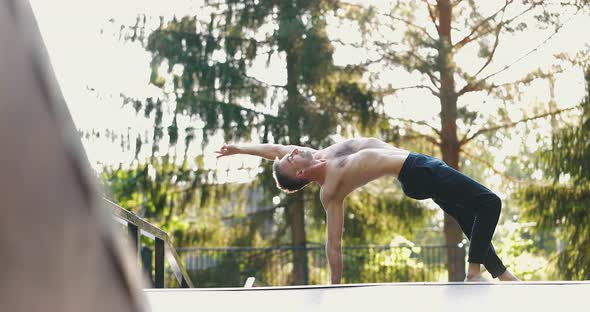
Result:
{"points": [[564, 205], [432, 34], [208, 57]]}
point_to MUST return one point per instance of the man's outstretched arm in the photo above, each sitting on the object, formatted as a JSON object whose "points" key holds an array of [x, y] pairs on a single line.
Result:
{"points": [[267, 150], [335, 223]]}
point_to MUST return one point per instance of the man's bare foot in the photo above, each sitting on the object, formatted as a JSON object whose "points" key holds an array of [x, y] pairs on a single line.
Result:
{"points": [[474, 273], [507, 276], [478, 278]]}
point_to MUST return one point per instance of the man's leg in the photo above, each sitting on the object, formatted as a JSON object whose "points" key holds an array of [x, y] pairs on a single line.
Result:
{"points": [[474, 205], [467, 220], [483, 212]]}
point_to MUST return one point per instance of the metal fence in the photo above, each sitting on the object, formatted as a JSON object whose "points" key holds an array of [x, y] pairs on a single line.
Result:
{"points": [[230, 267]]}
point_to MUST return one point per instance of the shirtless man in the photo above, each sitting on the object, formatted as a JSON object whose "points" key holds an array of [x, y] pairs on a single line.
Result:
{"points": [[343, 167]]}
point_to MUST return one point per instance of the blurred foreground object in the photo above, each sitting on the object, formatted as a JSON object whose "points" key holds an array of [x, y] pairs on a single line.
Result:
{"points": [[57, 250]]}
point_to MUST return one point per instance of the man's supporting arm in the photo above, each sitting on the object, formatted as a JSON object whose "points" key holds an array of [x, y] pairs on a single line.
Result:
{"points": [[335, 223]]}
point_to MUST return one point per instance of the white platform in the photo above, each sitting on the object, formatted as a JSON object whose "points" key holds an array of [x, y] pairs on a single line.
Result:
{"points": [[431, 297]]}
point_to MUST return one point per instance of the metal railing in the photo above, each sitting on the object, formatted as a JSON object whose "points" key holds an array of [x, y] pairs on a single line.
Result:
{"points": [[273, 266], [136, 227]]}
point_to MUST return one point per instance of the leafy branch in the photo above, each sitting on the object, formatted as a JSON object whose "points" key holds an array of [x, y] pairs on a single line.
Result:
{"points": [[490, 166], [417, 135], [472, 35], [417, 122], [409, 23], [481, 85], [536, 48], [394, 90], [467, 138]]}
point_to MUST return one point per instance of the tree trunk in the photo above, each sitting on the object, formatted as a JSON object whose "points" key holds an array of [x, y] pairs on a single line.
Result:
{"points": [[450, 144], [295, 206], [298, 239], [450, 152]]}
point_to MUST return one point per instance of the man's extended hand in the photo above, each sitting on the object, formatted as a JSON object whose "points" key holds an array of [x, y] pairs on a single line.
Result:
{"points": [[227, 150]]}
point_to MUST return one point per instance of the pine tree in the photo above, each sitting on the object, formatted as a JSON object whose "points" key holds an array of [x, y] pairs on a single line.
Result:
{"points": [[565, 204], [215, 51], [432, 34]]}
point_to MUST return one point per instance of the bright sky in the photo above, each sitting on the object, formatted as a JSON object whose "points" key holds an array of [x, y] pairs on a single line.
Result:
{"points": [[84, 58]]}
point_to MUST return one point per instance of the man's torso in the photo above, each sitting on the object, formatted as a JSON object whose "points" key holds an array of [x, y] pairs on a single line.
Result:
{"points": [[353, 163]]}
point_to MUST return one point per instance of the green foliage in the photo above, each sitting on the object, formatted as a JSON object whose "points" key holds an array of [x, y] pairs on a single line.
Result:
{"points": [[372, 216], [215, 55], [273, 266], [385, 264], [227, 271], [565, 205], [565, 208], [175, 198], [526, 251], [316, 57]]}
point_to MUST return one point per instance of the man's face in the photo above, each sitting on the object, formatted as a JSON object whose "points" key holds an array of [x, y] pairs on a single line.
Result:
{"points": [[295, 161]]}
